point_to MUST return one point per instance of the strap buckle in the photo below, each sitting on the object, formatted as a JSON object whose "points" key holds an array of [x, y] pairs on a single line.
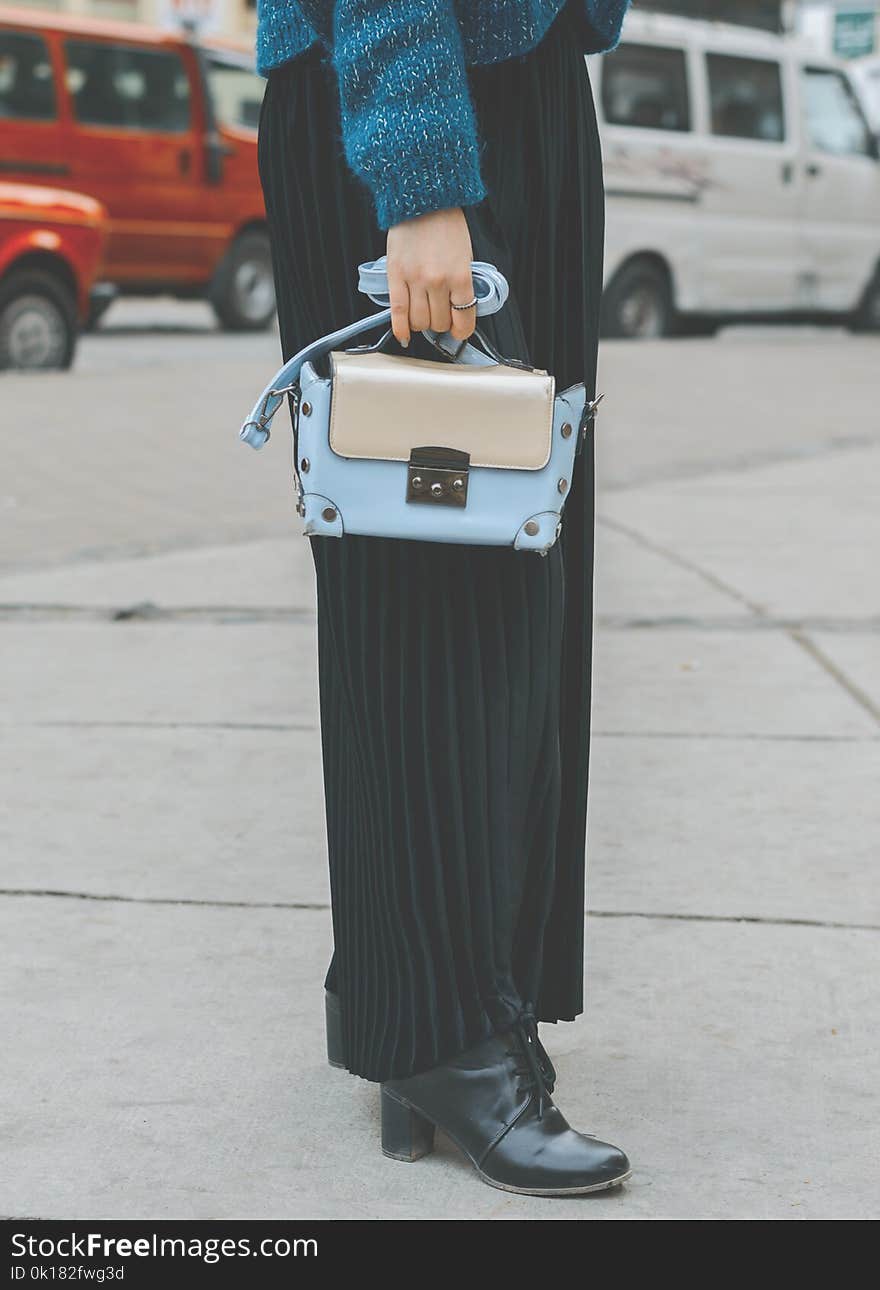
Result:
{"points": [[257, 429], [590, 412]]}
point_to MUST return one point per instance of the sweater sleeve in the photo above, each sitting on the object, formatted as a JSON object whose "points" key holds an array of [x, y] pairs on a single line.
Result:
{"points": [[408, 124], [604, 21]]}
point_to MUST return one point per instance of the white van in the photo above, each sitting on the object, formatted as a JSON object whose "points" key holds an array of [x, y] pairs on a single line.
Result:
{"points": [[742, 180], [866, 74]]}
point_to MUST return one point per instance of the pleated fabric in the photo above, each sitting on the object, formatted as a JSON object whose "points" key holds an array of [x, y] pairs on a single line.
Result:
{"points": [[454, 680]]}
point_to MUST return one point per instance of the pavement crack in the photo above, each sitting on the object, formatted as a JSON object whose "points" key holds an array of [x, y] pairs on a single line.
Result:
{"points": [[323, 906], [148, 611], [736, 736], [756, 919], [757, 622], [818, 655], [117, 898], [743, 736], [674, 557], [795, 633], [61, 724]]}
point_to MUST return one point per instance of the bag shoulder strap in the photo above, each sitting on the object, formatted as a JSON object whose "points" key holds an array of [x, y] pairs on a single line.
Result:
{"points": [[255, 431], [490, 289]]}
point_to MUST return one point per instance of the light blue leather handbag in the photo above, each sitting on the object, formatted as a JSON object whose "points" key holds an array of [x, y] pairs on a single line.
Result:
{"points": [[476, 449]]}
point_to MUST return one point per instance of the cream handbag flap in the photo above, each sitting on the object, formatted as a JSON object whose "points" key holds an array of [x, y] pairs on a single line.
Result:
{"points": [[384, 405]]}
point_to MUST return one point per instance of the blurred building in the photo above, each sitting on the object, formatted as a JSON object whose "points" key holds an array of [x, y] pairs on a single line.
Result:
{"points": [[235, 18]]}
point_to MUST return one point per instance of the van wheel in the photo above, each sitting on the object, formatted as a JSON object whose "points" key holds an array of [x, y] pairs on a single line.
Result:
{"points": [[637, 304], [38, 322], [243, 290], [867, 316]]}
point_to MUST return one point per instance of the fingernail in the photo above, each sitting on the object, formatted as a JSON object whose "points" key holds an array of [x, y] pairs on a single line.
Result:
{"points": [[405, 344]]}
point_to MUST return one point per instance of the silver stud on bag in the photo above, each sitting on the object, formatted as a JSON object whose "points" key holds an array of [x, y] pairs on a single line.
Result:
{"points": [[562, 485], [532, 528], [417, 482], [306, 409], [304, 465], [329, 514], [458, 484], [566, 430], [437, 490]]}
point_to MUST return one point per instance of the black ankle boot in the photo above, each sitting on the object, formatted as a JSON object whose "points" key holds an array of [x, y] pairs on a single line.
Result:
{"points": [[494, 1102], [336, 1055]]}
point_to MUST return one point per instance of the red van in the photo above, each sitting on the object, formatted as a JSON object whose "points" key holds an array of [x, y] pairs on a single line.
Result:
{"points": [[50, 252], [162, 130]]}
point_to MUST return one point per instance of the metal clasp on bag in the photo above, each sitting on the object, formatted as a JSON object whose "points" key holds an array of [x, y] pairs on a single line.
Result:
{"points": [[438, 475], [591, 411], [266, 412], [588, 416], [294, 392]]}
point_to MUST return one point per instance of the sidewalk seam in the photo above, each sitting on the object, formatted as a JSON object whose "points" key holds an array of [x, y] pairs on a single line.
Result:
{"points": [[323, 906], [794, 634]]}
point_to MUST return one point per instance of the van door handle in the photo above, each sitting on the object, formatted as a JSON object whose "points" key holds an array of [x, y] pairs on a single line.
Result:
{"points": [[814, 169], [787, 172]]}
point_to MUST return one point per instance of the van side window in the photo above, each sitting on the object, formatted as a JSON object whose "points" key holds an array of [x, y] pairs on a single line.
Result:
{"points": [[237, 92], [745, 98], [646, 85], [126, 87], [835, 121], [27, 91]]}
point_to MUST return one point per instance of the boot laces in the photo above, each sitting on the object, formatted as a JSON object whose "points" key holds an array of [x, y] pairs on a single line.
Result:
{"points": [[534, 1066]]}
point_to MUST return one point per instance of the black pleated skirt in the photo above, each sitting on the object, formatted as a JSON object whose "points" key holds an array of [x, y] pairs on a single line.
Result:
{"points": [[454, 680]]}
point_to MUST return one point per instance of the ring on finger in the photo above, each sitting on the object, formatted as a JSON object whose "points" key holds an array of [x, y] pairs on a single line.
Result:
{"points": [[470, 304]]}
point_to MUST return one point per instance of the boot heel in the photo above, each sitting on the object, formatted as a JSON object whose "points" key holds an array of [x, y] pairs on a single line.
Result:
{"points": [[406, 1135], [333, 1025]]}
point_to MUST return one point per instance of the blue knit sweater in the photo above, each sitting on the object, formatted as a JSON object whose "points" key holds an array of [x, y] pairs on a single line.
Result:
{"points": [[408, 126]]}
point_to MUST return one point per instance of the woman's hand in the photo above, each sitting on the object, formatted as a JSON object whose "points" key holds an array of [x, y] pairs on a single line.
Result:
{"points": [[429, 268]]}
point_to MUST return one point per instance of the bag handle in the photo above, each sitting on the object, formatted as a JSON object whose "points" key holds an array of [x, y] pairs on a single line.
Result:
{"points": [[490, 285], [490, 288], [456, 351]]}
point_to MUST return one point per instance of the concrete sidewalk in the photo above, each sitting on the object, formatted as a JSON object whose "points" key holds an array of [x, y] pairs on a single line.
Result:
{"points": [[165, 906]]}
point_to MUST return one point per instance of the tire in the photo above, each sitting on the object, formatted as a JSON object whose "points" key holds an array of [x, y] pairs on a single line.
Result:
{"points": [[637, 304], [243, 290], [867, 316], [38, 322]]}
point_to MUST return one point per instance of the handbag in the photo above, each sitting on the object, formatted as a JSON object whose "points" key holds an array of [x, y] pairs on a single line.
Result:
{"points": [[469, 448]]}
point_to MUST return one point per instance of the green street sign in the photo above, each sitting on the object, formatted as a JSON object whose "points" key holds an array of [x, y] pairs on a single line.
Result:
{"points": [[855, 32]]}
